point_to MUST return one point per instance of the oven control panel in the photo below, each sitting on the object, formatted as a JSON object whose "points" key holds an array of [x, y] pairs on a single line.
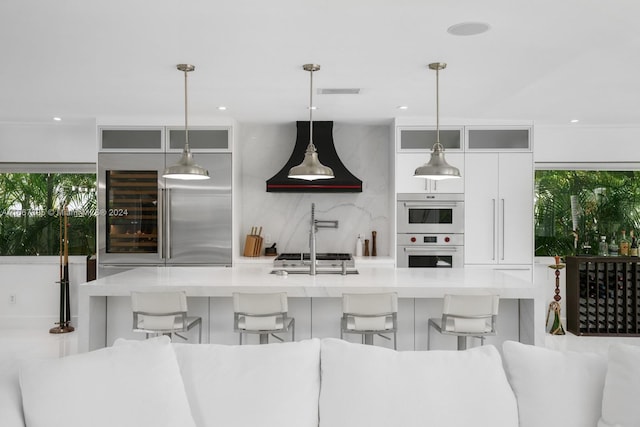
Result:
{"points": [[434, 239]]}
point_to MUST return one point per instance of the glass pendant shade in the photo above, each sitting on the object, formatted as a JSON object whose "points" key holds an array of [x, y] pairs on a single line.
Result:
{"points": [[311, 169], [186, 168], [437, 168]]}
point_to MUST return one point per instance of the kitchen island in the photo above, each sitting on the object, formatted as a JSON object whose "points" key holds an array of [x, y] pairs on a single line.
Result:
{"points": [[105, 314]]}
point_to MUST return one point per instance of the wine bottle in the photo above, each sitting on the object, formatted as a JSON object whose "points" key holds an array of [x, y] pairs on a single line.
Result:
{"points": [[623, 248], [633, 249]]}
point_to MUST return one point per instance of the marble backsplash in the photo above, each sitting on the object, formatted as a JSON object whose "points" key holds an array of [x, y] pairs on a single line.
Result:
{"points": [[285, 217]]}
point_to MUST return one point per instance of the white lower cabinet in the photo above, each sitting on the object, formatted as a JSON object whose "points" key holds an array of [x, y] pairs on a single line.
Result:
{"points": [[498, 208]]}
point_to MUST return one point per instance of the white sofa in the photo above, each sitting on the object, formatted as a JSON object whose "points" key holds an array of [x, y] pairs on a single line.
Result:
{"points": [[327, 383]]}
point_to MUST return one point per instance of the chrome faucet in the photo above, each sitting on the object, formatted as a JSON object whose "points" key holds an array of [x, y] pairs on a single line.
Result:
{"points": [[315, 225]]}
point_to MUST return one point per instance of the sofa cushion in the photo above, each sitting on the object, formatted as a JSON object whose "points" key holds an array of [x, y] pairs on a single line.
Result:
{"points": [[10, 400], [620, 406], [137, 384], [554, 387], [253, 385], [371, 386]]}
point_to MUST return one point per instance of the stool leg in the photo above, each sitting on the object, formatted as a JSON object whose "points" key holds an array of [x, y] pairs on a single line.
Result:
{"points": [[264, 338], [462, 343], [368, 339]]}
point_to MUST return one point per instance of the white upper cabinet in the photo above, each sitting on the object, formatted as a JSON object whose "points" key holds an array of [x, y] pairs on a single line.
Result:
{"points": [[482, 138], [164, 139], [423, 137], [200, 138], [139, 138]]}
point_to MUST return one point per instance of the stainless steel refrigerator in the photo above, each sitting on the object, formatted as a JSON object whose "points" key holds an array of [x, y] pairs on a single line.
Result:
{"points": [[146, 220]]}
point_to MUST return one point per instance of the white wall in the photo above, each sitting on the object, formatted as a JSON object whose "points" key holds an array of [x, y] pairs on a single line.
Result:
{"points": [[37, 295], [285, 217], [577, 143], [55, 142]]}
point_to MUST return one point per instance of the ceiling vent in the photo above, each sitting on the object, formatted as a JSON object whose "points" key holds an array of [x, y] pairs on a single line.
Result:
{"points": [[347, 91]]}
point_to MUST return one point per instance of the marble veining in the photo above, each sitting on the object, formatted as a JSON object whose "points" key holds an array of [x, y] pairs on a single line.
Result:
{"points": [[364, 149]]}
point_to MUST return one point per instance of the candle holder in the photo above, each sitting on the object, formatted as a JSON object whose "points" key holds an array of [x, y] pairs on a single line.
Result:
{"points": [[555, 327]]}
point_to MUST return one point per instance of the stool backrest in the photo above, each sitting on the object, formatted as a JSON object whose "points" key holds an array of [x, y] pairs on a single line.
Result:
{"points": [[370, 304], [260, 304], [470, 313], [158, 310]]}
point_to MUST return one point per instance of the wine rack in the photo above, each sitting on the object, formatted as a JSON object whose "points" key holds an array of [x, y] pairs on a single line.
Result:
{"points": [[132, 212], [603, 296]]}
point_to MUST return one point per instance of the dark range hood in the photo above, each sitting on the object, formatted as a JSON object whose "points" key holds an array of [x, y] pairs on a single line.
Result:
{"points": [[343, 182]]}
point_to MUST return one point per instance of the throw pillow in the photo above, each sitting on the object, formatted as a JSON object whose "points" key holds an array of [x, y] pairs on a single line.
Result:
{"points": [[620, 406], [553, 387], [134, 385], [370, 386], [252, 385]]}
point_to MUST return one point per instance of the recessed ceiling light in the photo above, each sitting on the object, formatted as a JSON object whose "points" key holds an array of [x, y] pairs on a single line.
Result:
{"points": [[222, 108], [312, 108], [574, 120], [57, 119], [403, 107], [468, 28]]}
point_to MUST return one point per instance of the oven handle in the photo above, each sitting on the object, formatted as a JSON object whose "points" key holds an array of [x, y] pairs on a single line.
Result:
{"points": [[431, 205], [432, 249]]}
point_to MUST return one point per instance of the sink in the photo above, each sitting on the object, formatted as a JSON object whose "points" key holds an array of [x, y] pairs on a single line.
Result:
{"points": [[284, 272]]}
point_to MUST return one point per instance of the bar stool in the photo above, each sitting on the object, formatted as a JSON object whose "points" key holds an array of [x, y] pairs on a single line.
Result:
{"points": [[466, 316], [369, 315], [263, 314], [163, 313]]}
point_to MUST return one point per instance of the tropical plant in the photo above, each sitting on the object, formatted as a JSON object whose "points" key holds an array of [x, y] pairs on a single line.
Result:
{"points": [[575, 207], [31, 205]]}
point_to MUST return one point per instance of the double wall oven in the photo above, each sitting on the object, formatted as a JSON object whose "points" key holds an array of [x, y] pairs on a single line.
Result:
{"points": [[430, 230]]}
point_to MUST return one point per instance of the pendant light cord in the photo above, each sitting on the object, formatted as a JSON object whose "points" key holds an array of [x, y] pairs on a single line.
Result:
{"points": [[186, 115], [311, 145], [438, 105]]}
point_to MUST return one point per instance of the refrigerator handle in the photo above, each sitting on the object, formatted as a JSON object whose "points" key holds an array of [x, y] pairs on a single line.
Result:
{"points": [[160, 228], [168, 223]]}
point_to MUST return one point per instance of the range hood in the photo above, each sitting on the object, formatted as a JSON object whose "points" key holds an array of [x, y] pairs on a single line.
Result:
{"points": [[343, 182]]}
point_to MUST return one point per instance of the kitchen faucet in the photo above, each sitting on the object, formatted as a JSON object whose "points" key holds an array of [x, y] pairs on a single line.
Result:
{"points": [[315, 225]]}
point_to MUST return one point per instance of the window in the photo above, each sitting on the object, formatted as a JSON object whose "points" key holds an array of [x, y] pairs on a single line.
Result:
{"points": [[31, 209], [573, 208]]}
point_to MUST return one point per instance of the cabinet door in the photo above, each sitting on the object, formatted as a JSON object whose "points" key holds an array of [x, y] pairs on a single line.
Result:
{"points": [[481, 208], [407, 163], [200, 139], [131, 139], [515, 228]]}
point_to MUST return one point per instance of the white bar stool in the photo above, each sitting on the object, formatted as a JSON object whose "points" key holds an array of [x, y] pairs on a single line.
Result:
{"points": [[163, 313], [369, 315], [263, 314], [466, 316]]}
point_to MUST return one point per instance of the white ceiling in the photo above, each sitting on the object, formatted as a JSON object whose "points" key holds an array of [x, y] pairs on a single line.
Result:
{"points": [[543, 60]]}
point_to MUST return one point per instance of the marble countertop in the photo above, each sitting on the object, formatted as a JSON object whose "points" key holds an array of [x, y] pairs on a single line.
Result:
{"points": [[220, 281]]}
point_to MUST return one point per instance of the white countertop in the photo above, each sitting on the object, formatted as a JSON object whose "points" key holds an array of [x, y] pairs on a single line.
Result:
{"points": [[220, 281]]}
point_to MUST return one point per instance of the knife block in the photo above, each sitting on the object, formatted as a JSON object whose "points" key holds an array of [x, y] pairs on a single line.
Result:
{"points": [[252, 245]]}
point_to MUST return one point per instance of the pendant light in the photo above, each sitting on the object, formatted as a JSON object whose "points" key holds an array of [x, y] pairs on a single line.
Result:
{"points": [[437, 168], [186, 168], [311, 169]]}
